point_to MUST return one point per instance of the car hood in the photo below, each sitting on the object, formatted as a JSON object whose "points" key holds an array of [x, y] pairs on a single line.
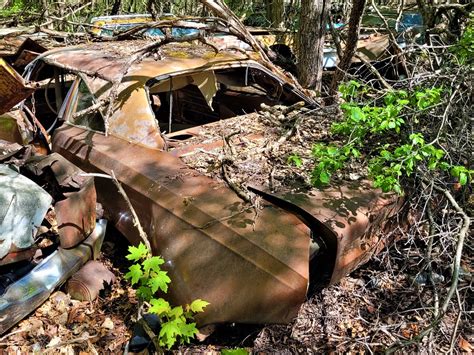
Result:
{"points": [[251, 264]]}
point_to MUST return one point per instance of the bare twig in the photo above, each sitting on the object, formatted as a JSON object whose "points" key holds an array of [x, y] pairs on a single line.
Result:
{"points": [[82, 7], [374, 71], [455, 273], [466, 221], [350, 45], [456, 325], [136, 221], [151, 334], [398, 49], [429, 262]]}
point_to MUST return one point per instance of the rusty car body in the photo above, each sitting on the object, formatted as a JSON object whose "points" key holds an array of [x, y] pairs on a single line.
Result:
{"points": [[250, 268], [48, 227]]}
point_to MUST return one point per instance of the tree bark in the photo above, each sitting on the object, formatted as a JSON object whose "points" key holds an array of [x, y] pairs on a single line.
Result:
{"points": [[275, 10], [6, 4], [351, 44], [116, 7], [311, 42]]}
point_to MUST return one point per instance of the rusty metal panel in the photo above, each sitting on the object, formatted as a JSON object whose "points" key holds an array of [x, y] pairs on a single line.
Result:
{"points": [[75, 203], [76, 215], [15, 256], [110, 60], [15, 128], [354, 214], [251, 268], [373, 47], [13, 88]]}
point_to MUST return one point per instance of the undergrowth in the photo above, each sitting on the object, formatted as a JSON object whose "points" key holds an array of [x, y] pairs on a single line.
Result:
{"points": [[387, 133], [176, 321]]}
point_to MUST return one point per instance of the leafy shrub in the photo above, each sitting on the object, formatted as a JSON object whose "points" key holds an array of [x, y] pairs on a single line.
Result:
{"points": [[464, 49], [365, 126], [176, 322]]}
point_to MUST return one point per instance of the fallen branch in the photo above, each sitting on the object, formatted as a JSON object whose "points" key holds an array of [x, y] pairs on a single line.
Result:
{"points": [[237, 189], [237, 28], [225, 174], [136, 221], [90, 109]]}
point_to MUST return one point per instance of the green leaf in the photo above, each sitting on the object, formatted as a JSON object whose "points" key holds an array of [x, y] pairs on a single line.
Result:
{"points": [[137, 253], [444, 166], [386, 154], [462, 178], [198, 305], [176, 312], [187, 330], [355, 152], [153, 263], [357, 114], [159, 306], [409, 166], [169, 332], [295, 159], [324, 177], [134, 274], [397, 188], [432, 165], [332, 151], [455, 170], [144, 293], [439, 153], [159, 281]]}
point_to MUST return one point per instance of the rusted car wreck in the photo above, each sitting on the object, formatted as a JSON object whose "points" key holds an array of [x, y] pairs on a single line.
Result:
{"points": [[46, 235], [131, 117], [48, 226]]}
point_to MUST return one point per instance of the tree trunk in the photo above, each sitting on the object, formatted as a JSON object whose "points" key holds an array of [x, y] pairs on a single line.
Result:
{"points": [[311, 42], [351, 44], [6, 4], [116, 7], [275, 10]]}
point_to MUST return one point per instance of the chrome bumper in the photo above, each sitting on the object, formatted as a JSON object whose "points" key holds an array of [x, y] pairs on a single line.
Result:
{"points": [[25, 295]]}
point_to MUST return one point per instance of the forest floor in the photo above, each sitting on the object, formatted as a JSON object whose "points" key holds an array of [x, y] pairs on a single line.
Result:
{"points": [[382, 302]]}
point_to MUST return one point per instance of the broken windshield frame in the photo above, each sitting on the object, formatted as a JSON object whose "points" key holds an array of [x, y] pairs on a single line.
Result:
{"points": [[260, 81], [70, 108]]}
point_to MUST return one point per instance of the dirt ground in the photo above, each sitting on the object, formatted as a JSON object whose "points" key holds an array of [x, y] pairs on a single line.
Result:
{"points": [[383, 302]]}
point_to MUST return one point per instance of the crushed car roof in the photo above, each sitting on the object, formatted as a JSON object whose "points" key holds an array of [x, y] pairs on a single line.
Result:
{"points": [[107, 59]]}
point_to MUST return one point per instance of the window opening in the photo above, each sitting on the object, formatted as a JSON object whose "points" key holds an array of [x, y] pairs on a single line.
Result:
{"points": [[92, 119], [194, 99]]}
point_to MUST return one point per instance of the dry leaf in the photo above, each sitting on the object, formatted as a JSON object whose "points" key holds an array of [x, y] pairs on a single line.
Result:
{"points": [[464, 345], [108, 324]]}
